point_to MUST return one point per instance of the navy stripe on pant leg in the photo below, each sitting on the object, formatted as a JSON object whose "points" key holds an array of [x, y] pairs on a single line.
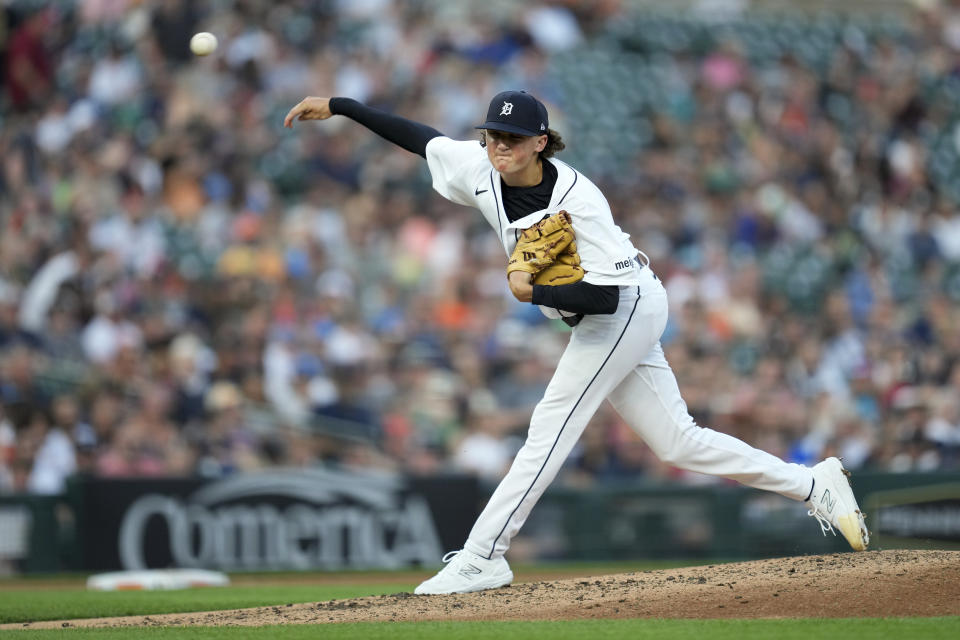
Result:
{"points": [[559, 433]]}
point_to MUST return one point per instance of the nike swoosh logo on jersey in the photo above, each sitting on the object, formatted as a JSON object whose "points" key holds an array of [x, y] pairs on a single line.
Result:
{"points": [[477, 191]]}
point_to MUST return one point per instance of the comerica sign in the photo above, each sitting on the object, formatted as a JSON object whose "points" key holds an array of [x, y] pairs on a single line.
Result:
{"points": [[273, 520], [333, 523]]}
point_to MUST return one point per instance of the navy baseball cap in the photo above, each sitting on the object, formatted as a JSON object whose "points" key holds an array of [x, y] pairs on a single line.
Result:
{"points": [[516, 112]]}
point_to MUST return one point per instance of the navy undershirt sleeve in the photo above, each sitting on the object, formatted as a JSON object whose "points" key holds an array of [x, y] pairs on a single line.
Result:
{"points": [[579, 297], [408, 134]]}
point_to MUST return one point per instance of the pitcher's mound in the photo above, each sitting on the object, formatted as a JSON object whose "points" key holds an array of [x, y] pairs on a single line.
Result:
{"points": [[869, 584]]}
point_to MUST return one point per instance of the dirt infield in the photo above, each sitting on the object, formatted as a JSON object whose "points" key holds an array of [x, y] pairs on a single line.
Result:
{"points": [[870, 584]]}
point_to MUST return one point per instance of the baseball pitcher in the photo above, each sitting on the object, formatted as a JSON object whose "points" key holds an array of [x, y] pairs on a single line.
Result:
{"points": [[566, 254]]}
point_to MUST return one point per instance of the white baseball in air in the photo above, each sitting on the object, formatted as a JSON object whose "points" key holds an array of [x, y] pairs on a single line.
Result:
{"points": [[203, 43]]}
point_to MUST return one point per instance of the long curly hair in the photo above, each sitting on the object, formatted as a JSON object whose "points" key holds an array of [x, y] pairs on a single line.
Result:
{"points": [[554, 144]]}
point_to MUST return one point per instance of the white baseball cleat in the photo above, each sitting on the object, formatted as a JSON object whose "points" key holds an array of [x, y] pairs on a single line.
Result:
{"points": [[833, 505], [466, 572]]}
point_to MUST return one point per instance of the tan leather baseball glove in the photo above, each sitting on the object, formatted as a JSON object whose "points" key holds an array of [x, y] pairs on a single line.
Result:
{"points": [[548, 251]]}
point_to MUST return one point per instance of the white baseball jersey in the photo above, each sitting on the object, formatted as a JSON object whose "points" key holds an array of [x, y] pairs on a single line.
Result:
{"points": [[616, 357], [462, 173]]}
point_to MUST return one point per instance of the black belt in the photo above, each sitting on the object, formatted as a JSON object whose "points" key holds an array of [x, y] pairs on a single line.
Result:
{"points": [[645, 264]]}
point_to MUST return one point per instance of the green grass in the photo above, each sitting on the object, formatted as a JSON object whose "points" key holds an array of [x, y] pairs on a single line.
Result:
{"points": [[64, 597], [791, 629], [564, 567], [65, 604]]}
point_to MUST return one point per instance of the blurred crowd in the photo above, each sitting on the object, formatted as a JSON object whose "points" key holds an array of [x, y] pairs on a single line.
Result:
{"points": [[188, 288]]}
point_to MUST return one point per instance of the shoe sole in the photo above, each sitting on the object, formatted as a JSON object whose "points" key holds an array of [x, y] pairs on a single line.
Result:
{"points": [[852, 524], [493, 582]]}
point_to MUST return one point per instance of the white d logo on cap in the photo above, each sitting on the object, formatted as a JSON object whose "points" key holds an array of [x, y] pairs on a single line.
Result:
{"points": [[507, 109]]}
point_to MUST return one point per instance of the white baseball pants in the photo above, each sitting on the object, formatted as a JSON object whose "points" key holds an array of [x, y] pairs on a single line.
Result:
{"points": [[618, 357]]}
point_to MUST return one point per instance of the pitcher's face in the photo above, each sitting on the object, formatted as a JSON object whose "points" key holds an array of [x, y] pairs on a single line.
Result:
{"points": [[510, 153]]}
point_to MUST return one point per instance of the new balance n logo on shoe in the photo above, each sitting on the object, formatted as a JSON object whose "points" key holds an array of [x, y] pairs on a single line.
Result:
{"points": [[469, 570], [827, 501]]}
